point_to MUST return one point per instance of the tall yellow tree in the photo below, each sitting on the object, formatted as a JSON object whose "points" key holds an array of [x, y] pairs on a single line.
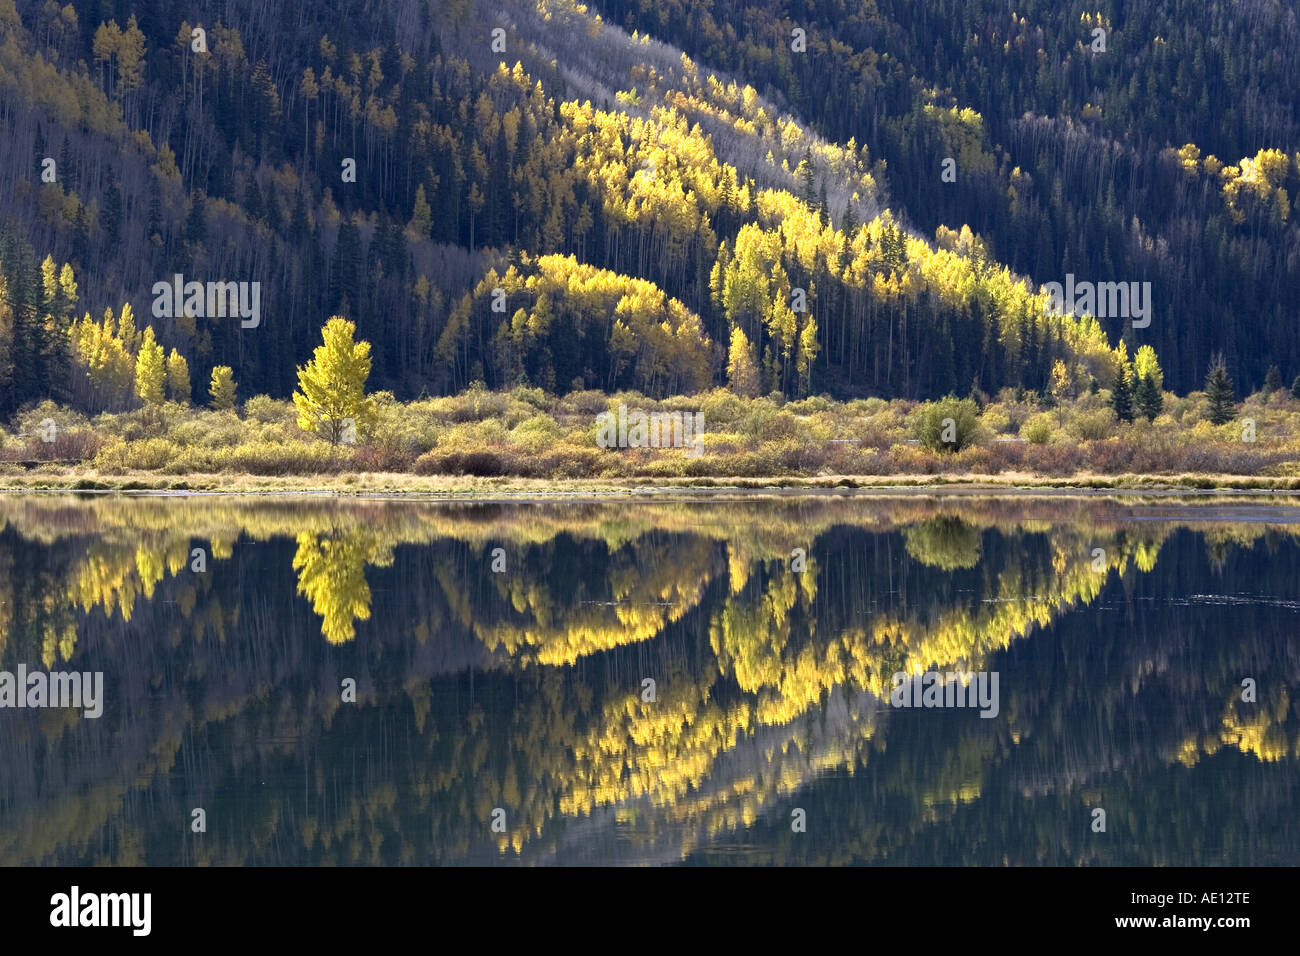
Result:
{"points": [[150, 370], [178, 378], [332, 399], [742, 371], [222, 388]]}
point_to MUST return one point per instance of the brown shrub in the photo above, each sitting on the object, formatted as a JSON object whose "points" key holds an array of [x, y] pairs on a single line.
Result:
{"points": [[381, 458]]}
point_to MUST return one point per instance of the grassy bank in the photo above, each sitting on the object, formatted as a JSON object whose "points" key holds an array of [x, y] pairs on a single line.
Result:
{"points": [[55, 478], [529, 441]]}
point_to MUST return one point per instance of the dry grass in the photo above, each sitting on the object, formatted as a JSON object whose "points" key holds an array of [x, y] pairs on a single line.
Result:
{"points": [[525, 439]]}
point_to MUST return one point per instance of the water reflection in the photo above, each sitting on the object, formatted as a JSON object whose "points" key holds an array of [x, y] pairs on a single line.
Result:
{"points": [[500, 653]]}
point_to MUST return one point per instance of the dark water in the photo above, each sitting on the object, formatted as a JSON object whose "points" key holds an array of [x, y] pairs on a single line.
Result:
{"points": [[1121, 636]]}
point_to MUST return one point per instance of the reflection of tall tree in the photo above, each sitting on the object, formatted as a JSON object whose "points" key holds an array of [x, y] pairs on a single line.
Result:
{"points": [[945, 542], [332, 575]]}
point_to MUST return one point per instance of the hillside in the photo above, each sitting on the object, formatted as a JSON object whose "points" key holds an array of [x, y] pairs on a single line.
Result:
{"points": [[473, 151]]}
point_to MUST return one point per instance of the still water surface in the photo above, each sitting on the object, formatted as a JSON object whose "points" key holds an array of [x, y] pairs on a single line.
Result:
{"points": [[501, 654]]}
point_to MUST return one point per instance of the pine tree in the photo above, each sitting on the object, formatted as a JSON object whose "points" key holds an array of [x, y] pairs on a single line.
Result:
{"points": [[1150, 400], [196, 223], [422, 218], [111, 218], [333, 384], [849, 224], [150, 370], [154, 230], [807, 179], [1121, 395], [1295, 387], [222, 388], [1219, 393], [1272, 380]]}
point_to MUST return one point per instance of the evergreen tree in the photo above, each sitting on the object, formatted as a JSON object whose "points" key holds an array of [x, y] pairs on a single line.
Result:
{"points": [[346, 268], [1150, 400], [1121, 394], [111, 218], [154, 231], [196, 223], [299, 224], [849, 224], [1219, 393], [1272, 380]]}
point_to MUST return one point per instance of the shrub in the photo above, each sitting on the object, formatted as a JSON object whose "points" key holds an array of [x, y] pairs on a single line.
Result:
{"points": [[1092, 426], [485, 462], [949, 424], [535, 434], [996, 419], [530, 396], [149, 454], [586, 403], [722, 407], [1038, 429], [810, 405], [265, 409], [63, 418], [282, 458], [381, 458]]}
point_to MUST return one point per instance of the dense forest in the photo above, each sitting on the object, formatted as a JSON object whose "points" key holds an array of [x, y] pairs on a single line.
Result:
{"points": [[526, 194], [1170, 155]]}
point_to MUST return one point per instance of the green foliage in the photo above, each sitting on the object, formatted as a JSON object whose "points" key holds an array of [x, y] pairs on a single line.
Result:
{"points": [[1038, 429], [948, 425], [1121, 393], [1148, 398], [945, 542], [1219, 393]]}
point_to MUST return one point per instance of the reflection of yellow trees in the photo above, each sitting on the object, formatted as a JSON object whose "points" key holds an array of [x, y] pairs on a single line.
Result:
{"points": [[569, 750], [1258, 728], [962, 637], [945, 542], [667, 753], [332, 575], [661, 750], [651, 585]]}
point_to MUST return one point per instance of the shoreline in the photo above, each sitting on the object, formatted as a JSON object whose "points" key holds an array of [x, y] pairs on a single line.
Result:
{"points": [[454, 487]]}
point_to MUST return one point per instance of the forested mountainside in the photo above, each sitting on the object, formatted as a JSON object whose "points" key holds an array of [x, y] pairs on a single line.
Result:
{"points": [[1171, 156], [524, 192]]}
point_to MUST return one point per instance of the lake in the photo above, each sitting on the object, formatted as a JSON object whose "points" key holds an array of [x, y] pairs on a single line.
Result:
{"points": [[677, 680]]}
